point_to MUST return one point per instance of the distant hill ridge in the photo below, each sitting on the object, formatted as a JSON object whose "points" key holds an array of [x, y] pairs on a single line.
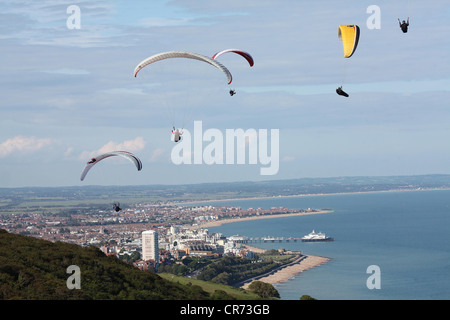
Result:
{"points": [[224, 190]]}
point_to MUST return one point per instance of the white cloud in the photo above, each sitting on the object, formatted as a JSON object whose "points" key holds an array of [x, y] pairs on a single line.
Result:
{"points": [[68, 151], [137, 144], [156, 154], [23, 145]]}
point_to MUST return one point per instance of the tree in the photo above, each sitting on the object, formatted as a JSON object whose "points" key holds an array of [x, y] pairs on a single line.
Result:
{"points": [[223, 278], [306, 297], [263, 289], [221, 295]]}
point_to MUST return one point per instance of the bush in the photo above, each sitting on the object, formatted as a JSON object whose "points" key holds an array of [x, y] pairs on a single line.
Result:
{"points": [[306, 297], [263, 289]]}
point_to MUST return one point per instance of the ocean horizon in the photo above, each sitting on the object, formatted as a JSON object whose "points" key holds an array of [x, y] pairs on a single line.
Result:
{"points": [[403, 233]]}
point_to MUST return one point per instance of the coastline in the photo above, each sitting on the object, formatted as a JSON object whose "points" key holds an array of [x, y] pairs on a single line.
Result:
{"points": [[290, 271], [284, 273], [305, 195], [225, 221]]}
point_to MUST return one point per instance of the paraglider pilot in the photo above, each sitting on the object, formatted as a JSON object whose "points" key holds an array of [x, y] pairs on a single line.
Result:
{"points": [[341, 92], [232, 92], [177, 134], [117, 207], [404, 25]]}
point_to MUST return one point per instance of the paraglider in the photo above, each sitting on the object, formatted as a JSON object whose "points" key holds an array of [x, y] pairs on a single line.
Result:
{"points": [[183, 54], [349, 35], [117, 207], [244, 54], [177, 134], [124, 154], [403, 25], [341, 92]]}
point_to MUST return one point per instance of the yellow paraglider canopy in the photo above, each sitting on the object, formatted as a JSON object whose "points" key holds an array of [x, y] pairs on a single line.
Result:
{"points": [[349, 35]]}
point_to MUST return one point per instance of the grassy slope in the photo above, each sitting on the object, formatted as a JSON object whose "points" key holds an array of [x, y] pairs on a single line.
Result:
{"points": [[210, 287]]}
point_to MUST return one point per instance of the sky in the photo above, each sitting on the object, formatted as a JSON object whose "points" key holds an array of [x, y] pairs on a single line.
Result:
{"points": [[69, 94]]}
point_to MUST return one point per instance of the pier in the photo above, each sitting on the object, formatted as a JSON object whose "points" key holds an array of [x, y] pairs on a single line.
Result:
{"points": [[243, 239]]}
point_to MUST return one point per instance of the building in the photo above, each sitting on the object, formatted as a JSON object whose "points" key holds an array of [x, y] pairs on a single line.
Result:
{"points": [[150, 246], [203, 251]]}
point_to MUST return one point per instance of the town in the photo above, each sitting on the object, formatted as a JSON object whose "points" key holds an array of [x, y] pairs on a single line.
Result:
{"points": [[177, 230]]}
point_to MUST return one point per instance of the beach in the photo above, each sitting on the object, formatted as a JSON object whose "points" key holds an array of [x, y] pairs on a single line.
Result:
{"points": [[217, 223], [285, 273], [290, 272]]}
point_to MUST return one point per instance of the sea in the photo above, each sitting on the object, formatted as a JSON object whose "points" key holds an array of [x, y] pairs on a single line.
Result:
{"points": [[387, 245]]}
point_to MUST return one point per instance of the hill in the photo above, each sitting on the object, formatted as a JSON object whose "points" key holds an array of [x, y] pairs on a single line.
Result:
{"points": [[36, 269]]}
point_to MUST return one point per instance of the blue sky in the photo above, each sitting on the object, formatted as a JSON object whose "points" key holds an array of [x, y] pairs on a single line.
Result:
{"points": [[70, 94]]}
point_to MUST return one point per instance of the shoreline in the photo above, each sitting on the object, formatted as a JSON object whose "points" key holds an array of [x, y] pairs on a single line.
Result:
{"points": [[306, 262], [305, 195], [218, 223], [288, 272], [284, 273]]}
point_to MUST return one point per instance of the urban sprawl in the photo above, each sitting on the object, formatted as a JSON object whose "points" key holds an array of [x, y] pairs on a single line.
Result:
{"points": [[176, 230]]}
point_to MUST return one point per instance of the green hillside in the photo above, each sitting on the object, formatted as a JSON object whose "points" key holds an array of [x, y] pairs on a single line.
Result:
{"points": [[32, 268], [215, 289]]}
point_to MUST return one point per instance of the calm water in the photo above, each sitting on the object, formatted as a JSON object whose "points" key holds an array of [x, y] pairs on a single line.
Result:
{"points": [[406, 234]]}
